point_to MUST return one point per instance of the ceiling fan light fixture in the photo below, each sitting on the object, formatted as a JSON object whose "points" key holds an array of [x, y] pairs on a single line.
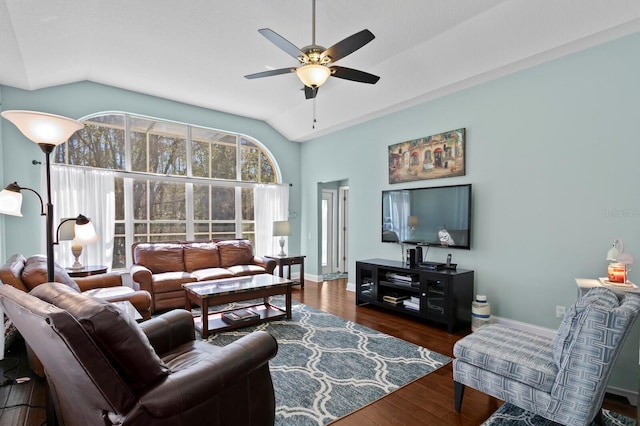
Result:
{"points": [[313, 75]]}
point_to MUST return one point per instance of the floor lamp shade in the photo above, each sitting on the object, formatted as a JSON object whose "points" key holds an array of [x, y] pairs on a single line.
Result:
{"points": [[43, 128]]}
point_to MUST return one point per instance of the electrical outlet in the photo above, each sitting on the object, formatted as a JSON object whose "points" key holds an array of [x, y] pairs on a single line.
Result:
{"points": [[560, 311]]}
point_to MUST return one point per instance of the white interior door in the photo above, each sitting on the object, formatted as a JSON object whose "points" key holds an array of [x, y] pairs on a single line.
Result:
{"points": [[328, 250]]}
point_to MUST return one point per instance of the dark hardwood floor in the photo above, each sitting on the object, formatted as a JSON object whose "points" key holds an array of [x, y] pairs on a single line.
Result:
{"points": [[427, 401]]}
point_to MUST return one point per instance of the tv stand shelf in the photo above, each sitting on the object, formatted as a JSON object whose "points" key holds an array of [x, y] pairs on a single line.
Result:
{"points": [[442, 296]]}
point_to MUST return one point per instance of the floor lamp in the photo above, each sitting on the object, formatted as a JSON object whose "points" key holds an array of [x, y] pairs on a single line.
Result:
{"points": [[48, 131]]}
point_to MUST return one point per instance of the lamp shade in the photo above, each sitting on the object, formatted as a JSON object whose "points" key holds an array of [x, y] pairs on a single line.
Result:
{"points": [[618, 255], [413, 221], [85, 233], [66, 229], [11, 200], [281, 228], [313, 75], [43, 128], [612, 254]]}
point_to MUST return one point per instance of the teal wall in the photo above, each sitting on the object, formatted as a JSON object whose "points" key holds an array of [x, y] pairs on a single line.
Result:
{"points": [[553, 155], [25, 235]]}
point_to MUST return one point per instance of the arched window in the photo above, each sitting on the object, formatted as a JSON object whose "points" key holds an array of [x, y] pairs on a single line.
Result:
{"points": [[173, 181]]}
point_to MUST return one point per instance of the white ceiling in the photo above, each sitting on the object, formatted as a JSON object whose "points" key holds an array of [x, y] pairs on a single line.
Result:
{"points": [[198, 51]]}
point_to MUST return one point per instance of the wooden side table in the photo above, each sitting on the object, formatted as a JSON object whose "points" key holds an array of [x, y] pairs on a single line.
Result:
{"points": [[86, 271], [288, 261]]}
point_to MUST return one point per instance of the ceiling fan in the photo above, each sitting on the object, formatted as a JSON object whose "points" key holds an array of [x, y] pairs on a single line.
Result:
{"points": [[316, 62]]}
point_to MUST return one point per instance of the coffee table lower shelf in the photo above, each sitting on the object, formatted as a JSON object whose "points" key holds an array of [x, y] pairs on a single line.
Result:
{"points": [[266, 312]]}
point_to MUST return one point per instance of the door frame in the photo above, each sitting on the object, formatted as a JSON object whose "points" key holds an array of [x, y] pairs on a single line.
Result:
{"points": [[331, 196]]}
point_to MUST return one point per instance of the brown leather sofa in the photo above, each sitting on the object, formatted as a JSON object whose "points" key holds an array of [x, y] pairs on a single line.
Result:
{"points": [[26, 274], [105, 369], [162, 267]]}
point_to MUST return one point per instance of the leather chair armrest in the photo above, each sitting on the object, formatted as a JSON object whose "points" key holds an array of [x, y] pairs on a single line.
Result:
{"points": [[169, 330], [110, 279], [268, 264], [193, 386], [143, 276]]}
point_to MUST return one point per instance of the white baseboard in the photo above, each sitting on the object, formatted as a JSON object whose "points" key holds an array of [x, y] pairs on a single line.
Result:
{"points": [[314, 278], [351, 287]]}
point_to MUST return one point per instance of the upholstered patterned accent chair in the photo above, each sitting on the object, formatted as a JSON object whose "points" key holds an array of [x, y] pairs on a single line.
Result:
{"points": [[562, 379]]}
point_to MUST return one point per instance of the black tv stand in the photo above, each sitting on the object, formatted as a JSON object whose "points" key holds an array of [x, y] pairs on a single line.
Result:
{"points": [[440, 295]]}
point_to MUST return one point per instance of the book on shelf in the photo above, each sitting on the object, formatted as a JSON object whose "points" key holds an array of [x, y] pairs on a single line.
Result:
{"points": [[390, 298], [239, 315], [411, 305]]}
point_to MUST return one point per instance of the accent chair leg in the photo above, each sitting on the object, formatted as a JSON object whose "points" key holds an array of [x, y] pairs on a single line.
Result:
{"points": [[599, 419], [458, 390]]}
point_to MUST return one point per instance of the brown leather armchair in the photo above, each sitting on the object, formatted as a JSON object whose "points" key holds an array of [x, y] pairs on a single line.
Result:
{"points": [[26, 274], [105, 369]]}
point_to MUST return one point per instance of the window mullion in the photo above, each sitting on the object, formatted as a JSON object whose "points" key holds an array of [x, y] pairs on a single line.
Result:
{"points": [[188, 190]]}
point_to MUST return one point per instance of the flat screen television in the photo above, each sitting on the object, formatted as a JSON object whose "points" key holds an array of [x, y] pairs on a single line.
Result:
{"points": [[437, 216]]}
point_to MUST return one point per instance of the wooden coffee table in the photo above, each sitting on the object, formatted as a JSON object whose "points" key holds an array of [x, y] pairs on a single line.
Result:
{"points": [[218, 292]]}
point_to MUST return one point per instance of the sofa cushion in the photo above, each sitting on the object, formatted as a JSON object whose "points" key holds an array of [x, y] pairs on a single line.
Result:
{"points": [[576, 317], [211, 274], [35, 273], [160, 257], [235, 252], [117, 335], [170, 281], [201, 256], [242, 270]]}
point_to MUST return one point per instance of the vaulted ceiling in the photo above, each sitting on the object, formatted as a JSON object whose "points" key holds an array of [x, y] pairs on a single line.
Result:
{"points": [[198, 51]]}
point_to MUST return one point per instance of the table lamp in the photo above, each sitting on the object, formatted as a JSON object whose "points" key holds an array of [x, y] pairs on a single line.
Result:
{"points": [[413, 221], [81, 232], [281, 228]]}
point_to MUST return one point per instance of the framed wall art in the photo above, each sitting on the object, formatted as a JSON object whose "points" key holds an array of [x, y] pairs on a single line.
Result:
{"points": [[431, 157]]}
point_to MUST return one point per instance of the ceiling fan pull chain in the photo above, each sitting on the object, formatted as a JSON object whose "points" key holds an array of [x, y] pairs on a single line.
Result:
{"points": [[313, 126]]}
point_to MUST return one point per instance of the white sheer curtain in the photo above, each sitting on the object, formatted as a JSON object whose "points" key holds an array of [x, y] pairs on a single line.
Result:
{"points": [[91, 192], [270, 203]]}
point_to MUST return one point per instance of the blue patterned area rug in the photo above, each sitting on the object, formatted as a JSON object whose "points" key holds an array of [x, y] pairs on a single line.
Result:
{"points": [[335, 276], [327, 367], [510, 415]]}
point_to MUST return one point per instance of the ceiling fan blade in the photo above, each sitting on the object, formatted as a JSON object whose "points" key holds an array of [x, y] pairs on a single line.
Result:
{"points": [[354, 75], [282, 43], [270, 73], [310, 92], [348, 45]]}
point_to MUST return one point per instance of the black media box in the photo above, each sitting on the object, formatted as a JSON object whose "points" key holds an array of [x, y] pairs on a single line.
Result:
{"points": [[434, 266]]}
